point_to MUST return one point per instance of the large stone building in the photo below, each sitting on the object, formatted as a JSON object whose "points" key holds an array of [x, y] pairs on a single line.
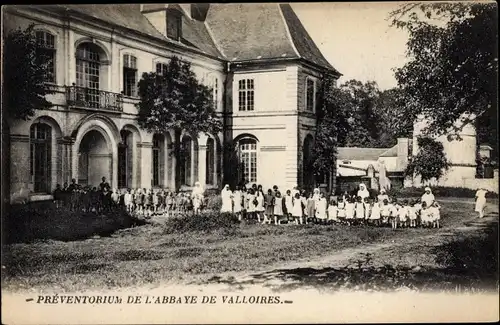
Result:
{"points": [[260, 61]]}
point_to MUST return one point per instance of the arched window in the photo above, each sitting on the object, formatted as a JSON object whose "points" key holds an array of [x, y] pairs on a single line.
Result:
{"points": [[158, 160], [247, 148], [47, 53], [210, 162], [186, 145], [40, 156], [88, 67]]}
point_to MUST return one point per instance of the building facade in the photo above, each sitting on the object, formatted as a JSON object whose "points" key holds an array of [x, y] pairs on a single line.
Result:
{"points": [[263, 67]]}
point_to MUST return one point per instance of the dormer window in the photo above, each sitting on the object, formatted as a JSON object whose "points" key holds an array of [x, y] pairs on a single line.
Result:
{"points": [[174, 24]]}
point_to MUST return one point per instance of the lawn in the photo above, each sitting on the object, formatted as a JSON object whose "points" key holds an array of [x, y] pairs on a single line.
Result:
{"points": [[152, 254]]}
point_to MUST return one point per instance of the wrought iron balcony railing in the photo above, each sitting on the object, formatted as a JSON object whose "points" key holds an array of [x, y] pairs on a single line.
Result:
{"points": [[93, 98]]}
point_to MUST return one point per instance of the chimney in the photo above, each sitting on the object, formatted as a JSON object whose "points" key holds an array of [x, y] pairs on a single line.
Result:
{"points": [[403, 150], [199, 11]]}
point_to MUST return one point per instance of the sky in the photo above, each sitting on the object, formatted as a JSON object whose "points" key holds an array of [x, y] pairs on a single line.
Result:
{"points": [[356, 38]]}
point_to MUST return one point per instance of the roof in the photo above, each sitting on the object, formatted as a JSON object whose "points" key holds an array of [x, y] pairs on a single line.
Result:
{"points": [[355, 153], [259, 31], [303, 42], [346, 171], [236, 32], [194, 33], [392, 152]]}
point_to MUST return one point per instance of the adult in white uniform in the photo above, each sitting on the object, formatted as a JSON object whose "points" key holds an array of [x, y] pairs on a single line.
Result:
{"points": [[227, 200], [428, 197], [363, 192]]}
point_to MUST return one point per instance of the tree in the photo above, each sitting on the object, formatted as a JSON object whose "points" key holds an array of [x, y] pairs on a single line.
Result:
{"points": [[24, 71], [362, 99], [332, 125], [176, 100], [453, 65], [392, 120], [430, 161]]}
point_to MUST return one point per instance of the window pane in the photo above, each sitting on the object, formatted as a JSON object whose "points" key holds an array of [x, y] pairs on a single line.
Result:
{"points": [[310, 95]]}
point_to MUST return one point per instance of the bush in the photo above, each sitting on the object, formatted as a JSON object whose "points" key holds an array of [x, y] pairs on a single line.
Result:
{"points": [[439, 191], [204, 222], [41, 220], [213, 203]]}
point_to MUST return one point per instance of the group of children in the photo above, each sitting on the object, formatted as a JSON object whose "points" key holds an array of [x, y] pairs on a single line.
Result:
{"points": [[139, 201], [297, 207]]}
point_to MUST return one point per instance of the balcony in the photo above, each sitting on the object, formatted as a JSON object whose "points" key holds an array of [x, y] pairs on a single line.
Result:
{"points": [[93, 99]]}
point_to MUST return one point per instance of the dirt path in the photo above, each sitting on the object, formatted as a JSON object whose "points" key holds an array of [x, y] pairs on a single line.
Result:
{"points": [[389, 252]]}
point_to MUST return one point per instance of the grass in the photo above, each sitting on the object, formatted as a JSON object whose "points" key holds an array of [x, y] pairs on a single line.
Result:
{"points": [[158, 253]]}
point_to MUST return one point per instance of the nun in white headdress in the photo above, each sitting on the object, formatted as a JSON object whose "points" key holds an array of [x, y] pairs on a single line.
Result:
{"points": [[198, 197], [363, 191], [227, 200], [428, 197]]}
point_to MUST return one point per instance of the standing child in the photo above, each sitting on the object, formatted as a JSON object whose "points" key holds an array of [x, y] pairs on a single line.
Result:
{"points": [[418, 209], [412, 214], [321, 206], [115, 197], [251, 204], [436, 214], [385, 211], [303, 199], [259, 208], [310, 207], [238, 202], [480, 201], [394, 213], [269, 206], [350, 207], [127, 200], [359, 210], [138, 200], [278, 208], [169, 204], [341, 215], [58, 196], [425, 215], [297, 209], [375, 213], [403, 214], [332, 211], [289, 204], [368, 206]]}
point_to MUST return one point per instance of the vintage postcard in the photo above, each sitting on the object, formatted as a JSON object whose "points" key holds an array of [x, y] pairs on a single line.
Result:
{"points": [[250, 163]]}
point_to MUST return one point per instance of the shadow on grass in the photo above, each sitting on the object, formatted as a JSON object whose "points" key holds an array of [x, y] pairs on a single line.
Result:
{"points": [[42, 221], [464, 265]]}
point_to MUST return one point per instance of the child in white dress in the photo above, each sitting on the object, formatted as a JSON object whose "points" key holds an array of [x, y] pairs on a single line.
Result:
{"points": [[359, 210], [341, 216], [350, 207], [375, 213], [289, 204], [412, 214], [403, 214], [436, 214], [332, 211], [480, 201], [297, 209], [385, 211], [321, 206], [394, 217], [128, 200], [425, 215]]}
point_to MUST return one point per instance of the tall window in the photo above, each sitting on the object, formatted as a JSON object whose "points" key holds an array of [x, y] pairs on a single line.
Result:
{"points": [[246, 95], [248, 160], [88, 66], [123, 157], [47, 53], [216, 92], [161, 68], [310, 94], [157, 159], [186, 160], [210, 161], [40, 156], [174, 24], [129, 75]]}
